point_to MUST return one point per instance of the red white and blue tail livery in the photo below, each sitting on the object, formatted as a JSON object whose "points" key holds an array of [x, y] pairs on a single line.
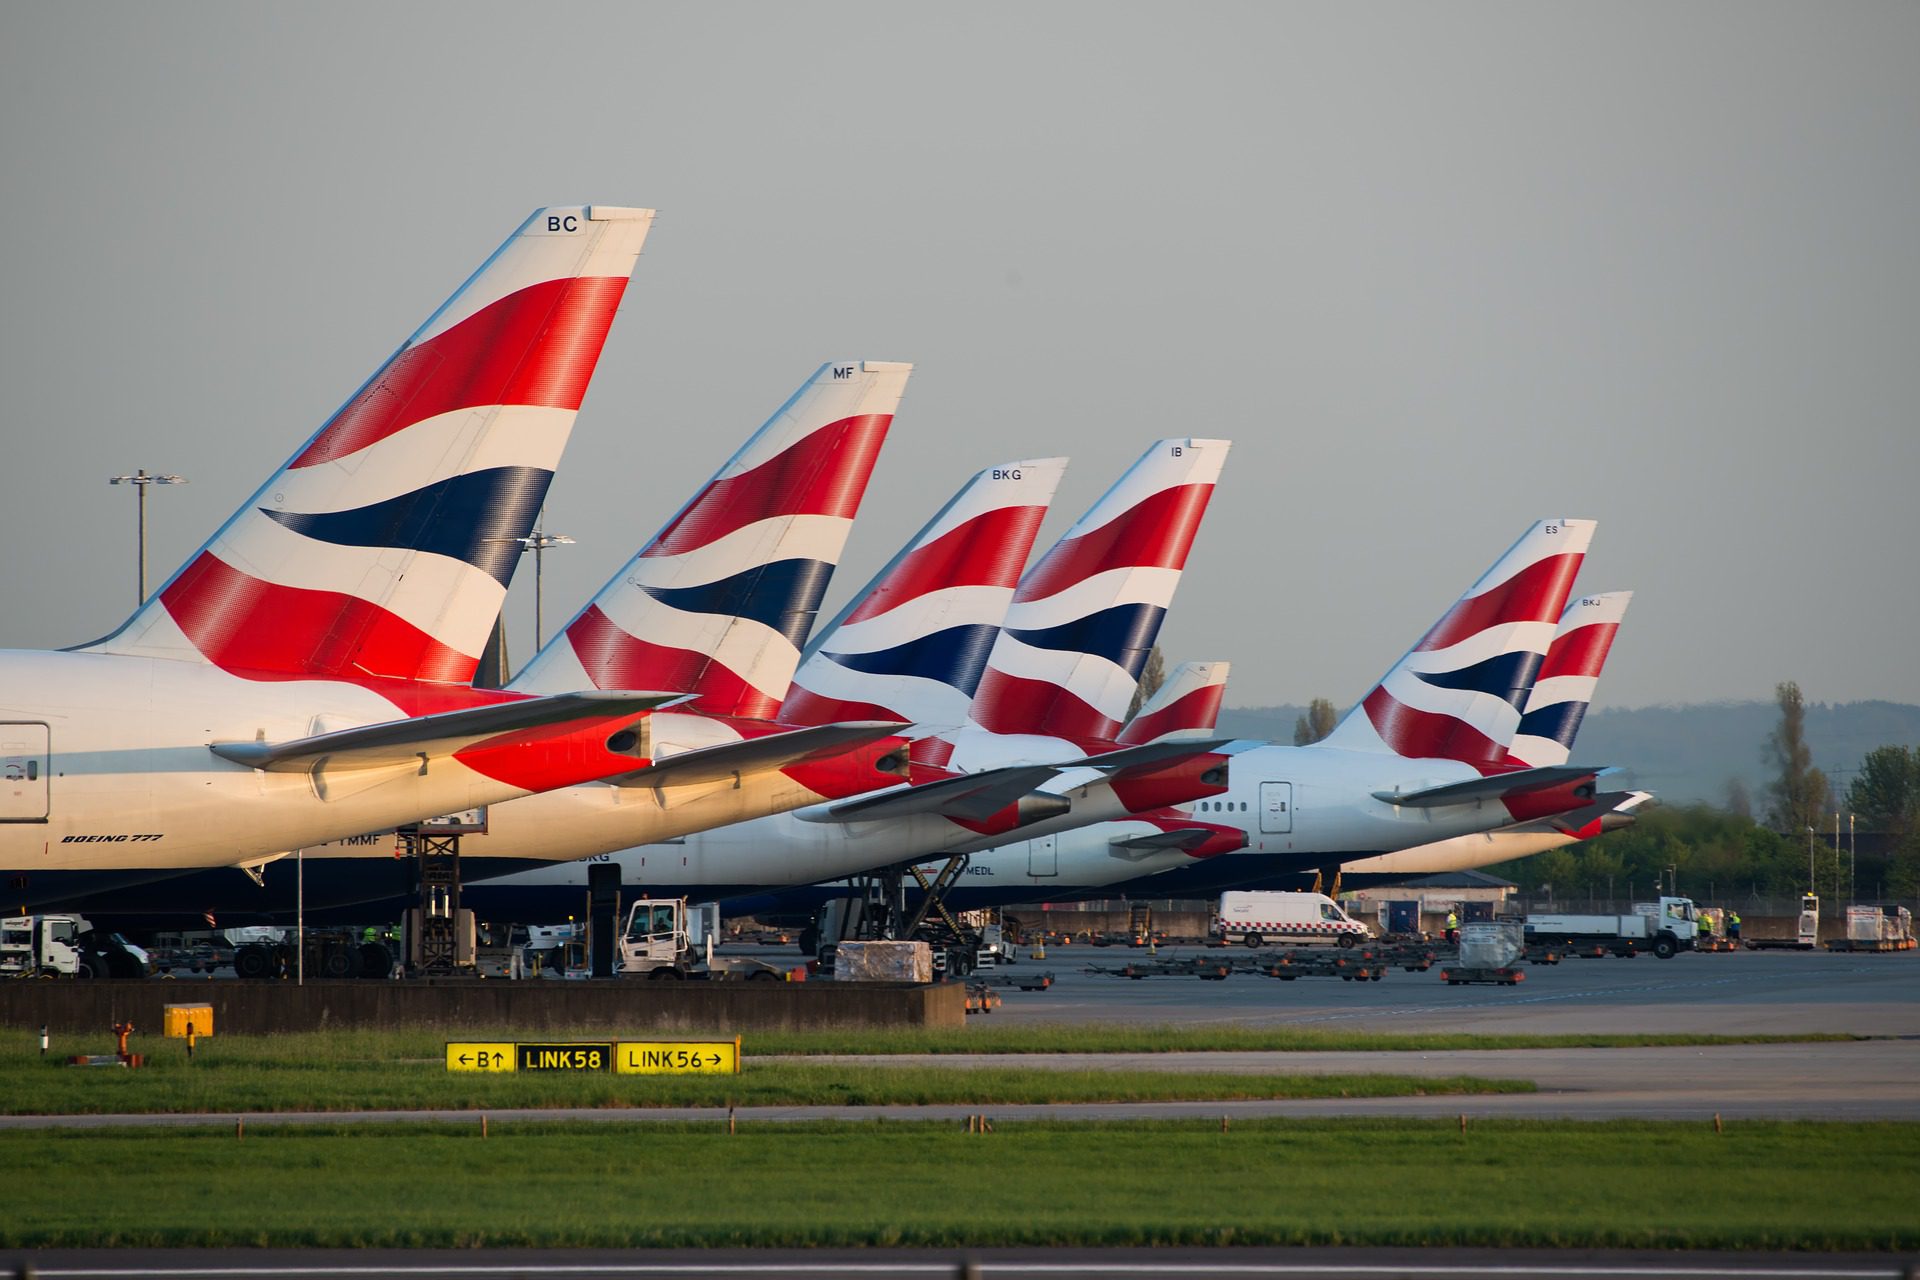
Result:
{"points": [[1186, 706], [1457, 695], [719, 602], [913, 644], [1564, 688], [382, 550], [1086, 616]]}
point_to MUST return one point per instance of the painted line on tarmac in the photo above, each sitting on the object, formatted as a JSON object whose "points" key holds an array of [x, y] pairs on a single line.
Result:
{"points": [[1182, 1268]]}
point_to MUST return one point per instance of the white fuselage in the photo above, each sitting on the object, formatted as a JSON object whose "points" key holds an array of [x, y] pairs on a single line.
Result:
{"points": [[127, 779], [1323, 798]]}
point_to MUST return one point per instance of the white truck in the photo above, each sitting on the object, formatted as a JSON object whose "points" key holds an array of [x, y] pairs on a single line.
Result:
{"points": [[1257, 918], [1663, 927], [664, 938], [66, 946]]}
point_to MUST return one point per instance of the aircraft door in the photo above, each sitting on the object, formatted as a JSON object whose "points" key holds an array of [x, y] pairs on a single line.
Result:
{"points": [[1043, 856], [1276, 807], [23, 772]]}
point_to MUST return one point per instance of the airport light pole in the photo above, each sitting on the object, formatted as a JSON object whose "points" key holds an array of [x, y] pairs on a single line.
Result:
{"points": [[539, 543], [1853, 863], [140, 480]]}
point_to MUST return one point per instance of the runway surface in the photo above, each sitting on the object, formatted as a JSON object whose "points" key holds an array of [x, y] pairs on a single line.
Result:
{"points": [[1001, 1264]]}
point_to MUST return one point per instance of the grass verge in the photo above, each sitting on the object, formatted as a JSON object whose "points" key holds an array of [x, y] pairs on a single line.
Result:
{"points": [[236, 1074], [1629, 1184]]}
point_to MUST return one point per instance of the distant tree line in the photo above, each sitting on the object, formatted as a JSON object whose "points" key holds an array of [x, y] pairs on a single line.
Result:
{"points": [[1724, 852]]}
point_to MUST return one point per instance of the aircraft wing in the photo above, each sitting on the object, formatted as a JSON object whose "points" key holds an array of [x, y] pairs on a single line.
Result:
{"points": [[395, 742], [1494, 787], [751, 755]]}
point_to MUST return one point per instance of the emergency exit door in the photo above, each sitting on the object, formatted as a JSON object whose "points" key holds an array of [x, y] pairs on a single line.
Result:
{"points": [[1276, 807], [1043, 856], [23, 772]]}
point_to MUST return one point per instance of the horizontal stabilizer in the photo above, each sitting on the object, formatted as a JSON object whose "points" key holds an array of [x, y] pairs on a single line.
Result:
{"points": [[1159, 841], [392, 742], [1495, 787], [975, 796], [752, 755], [1154, 753]]}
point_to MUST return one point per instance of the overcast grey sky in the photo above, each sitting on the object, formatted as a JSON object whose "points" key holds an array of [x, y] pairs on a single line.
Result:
{"points": [[1438, 270]]}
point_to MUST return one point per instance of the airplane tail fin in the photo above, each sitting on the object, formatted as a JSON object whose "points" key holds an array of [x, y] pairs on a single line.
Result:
{"points": [[383, 548], [912, 645], [1457, 694], [718, 603], [1086, 616], [1186, 706], [1564, 688]]}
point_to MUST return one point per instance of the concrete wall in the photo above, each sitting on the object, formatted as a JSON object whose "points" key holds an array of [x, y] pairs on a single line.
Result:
{"points": [[633, 1008]]}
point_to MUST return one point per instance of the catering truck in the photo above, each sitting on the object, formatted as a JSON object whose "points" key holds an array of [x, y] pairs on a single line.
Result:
{"points": [[1662, 927], [1257, 918]]}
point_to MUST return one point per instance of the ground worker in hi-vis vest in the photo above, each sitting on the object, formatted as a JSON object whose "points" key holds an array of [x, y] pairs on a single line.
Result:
{"points": [[1453, 926]]}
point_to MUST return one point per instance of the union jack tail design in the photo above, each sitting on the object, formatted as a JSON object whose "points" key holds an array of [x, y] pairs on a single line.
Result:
{"points": [[1564, 687], [1086, 616], [912, 645], [1457, 695], [1186, 706], [720, 601], [383, 549]]}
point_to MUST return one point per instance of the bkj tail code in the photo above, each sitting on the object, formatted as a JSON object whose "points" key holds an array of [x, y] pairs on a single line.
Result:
{"points": [[634, 1057]]}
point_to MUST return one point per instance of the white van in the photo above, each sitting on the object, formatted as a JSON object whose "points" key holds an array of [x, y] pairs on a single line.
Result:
{"points": [[1260, 918]]}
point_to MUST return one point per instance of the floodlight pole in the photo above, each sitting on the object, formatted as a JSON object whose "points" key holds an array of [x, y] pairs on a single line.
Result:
{"points": [[538, 543], [140, 480]]}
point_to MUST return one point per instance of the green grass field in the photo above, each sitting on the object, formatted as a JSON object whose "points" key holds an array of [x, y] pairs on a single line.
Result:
{"points": [[408, 1071], [1758, 1185]]}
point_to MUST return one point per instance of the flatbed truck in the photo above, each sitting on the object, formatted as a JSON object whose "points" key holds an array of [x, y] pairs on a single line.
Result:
{"points": [[1664, 927]]}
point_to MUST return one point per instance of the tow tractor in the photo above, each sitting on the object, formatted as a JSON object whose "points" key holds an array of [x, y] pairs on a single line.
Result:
{"points": [[1806, 933], [659, 944]]}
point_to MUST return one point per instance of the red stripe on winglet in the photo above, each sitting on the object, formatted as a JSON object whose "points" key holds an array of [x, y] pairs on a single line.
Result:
{"points": [[537, 346]]}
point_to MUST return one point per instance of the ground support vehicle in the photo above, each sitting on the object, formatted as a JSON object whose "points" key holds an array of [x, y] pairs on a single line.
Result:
{"points": [[657, 945], [1258, 918], [1542, 953], [64, 946], [1806, 934], [1876, 928], [1664, 927], [1017, 981], [1181, 967], [1462, 975], [1414, 957], [1288, 966], [981, 998], [334, 954]]}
